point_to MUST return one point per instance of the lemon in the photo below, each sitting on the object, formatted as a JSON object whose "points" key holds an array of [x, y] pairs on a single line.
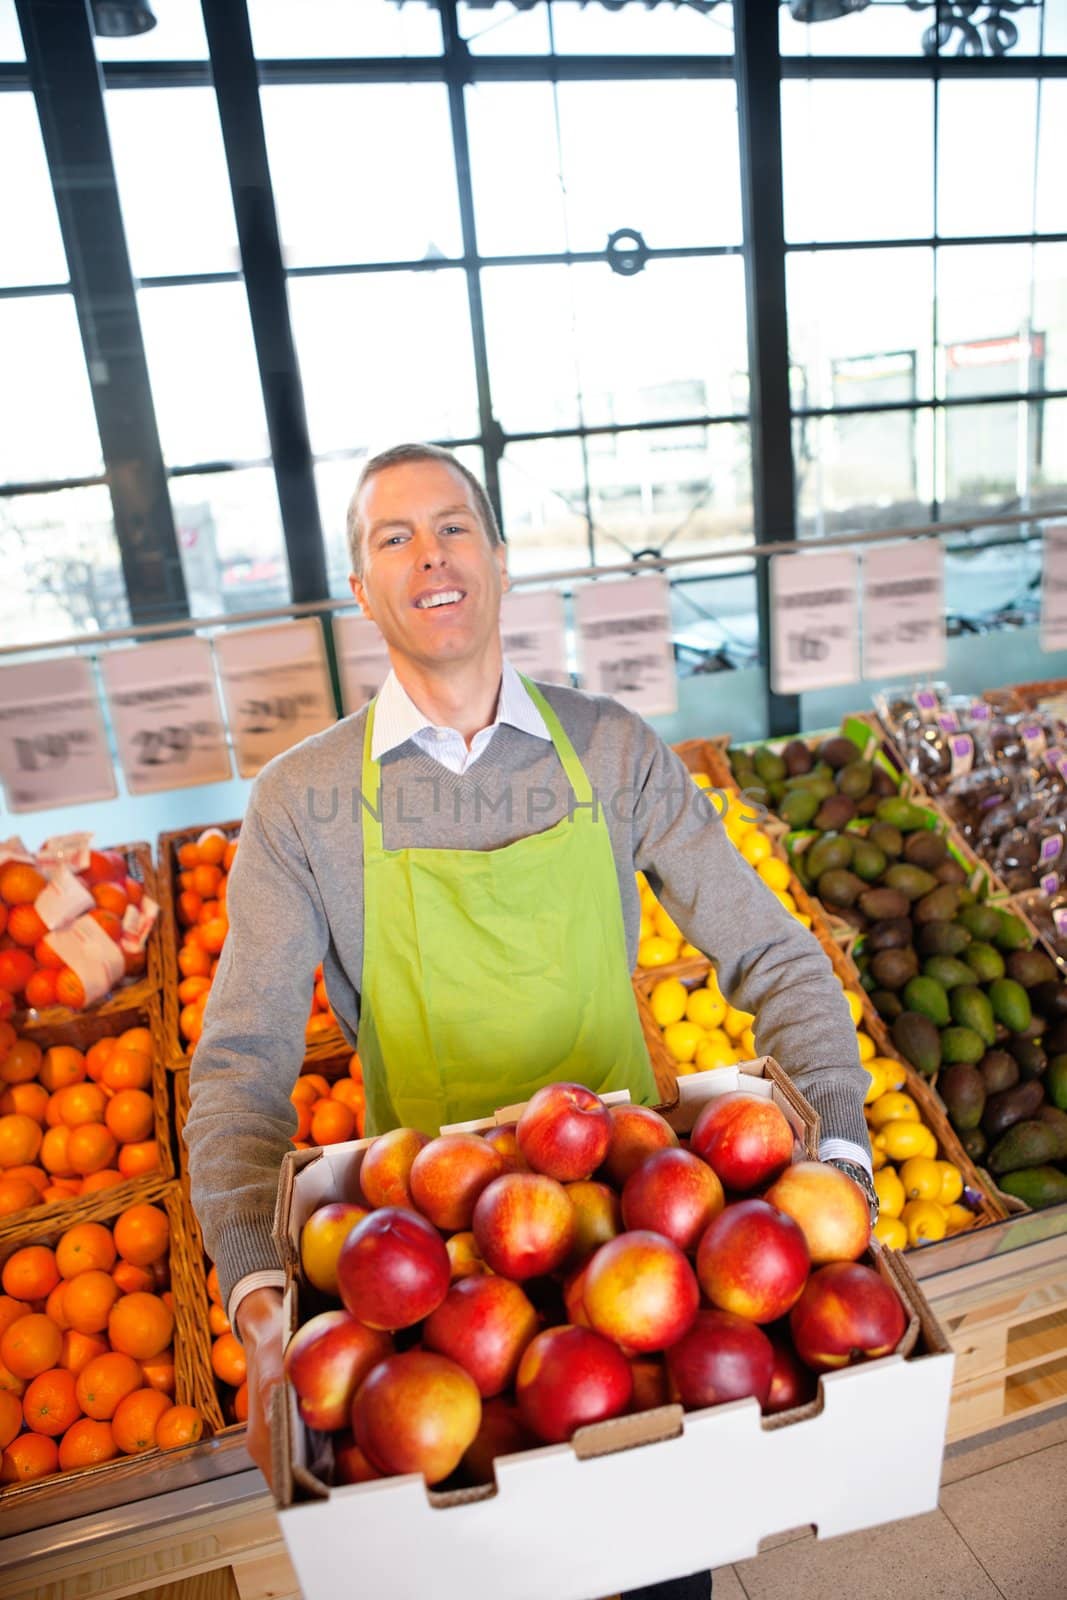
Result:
{"points": [[682, 1038], [648, 927], [689, 952], [641, 881], [890, 1192], [735, 1022], [705, 1008], [891, 1232], [951, 1183], [924, 1220], [701, 780], [894, 1072], [785, 899], [683, 1068], [738, 816], [802, 918], [867, 1047], [715, 1051], [668, 1001], [712, 982], [921, 1178], [666, 927], [775, 873], [756, 847], [747, 1045], [958, 1217], [879, 1159], [656, 952], [854, 1002], [902, 1140], [891, 1107], [877, 1087]]}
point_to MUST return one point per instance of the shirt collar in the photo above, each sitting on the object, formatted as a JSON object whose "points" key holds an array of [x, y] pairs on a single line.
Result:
{"points": [[397, 718]]}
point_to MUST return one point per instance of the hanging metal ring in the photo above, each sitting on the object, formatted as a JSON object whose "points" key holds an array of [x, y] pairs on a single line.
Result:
{"points": [[627, 252]]}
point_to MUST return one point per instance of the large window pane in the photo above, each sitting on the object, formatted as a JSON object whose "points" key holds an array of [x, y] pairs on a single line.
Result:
{"points": [[202, 366], [1052, 141], [879, 31], [504, 29], [230, 537], [31, 246], [385, 356], [11, 48], [634, 31], [871, 470], [59, 566], [993, 577], [995, 454], [986, 148], [860, 325], [362, 172], [857, 160], [542, 489], [343, 28], [47, 422], [1050, 311], [513, 149], [177, 36], [553, 334], [172, 178], [986, 297], [676, 489]]}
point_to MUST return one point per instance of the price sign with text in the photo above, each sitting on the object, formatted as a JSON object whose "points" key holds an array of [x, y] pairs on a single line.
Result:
{"points": [[534, 635], [276, 687], [1054, 589], [815, 621], [903, 609], [53, 744], [624, 643], [362, 658], [166, 715]]}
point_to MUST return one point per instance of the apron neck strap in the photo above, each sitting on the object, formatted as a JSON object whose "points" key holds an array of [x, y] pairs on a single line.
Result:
{"points": [[371, 788], [576, 773]]}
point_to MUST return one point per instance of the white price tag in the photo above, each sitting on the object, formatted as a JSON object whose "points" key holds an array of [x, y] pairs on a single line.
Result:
{"points": [[1054, 589], [276, 687], [961, 746], [624, 643], [362, 658], [903, 609], [815, 621], [166, 715], [53, 745], [534, 635]]}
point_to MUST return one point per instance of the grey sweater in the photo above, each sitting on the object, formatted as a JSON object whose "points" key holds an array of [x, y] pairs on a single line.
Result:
{"points": [[295, 899]]}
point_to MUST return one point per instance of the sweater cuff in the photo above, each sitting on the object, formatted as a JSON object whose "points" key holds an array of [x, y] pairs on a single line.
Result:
{"points": [[244, 1245], [837, 1095]]}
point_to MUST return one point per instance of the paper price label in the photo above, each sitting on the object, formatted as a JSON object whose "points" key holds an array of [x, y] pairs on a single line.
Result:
{"points": [[624, 643], [1054, 588], [948, 722], [53, 745], [926, 704], [362, 658], [815, 621], [980, 712], [903, 609], [1050, 882], [1034, 740], [961, 747], [1051, 848], [533, 634], [1059, 918], [276, 688], [166, 715]]}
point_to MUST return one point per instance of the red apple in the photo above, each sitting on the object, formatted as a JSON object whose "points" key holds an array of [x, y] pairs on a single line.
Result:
{"points": [[350, 1465], [830, 1208], [449, 1174], [393, 1269], [463, 1257], [636, 1133], [673, 1193], [569, 1377], [485, 1324], [502, 1433], [640, 1291], [650, 1384], [847, 1313], [747, 1141], [326, 1361], [722, 1357], [503, 1140], [524, 1225], [417, 1412], [387, 1164], [564, 1131], [753, 1260], [321, 1238], [792, 1384], [596, 1214]]}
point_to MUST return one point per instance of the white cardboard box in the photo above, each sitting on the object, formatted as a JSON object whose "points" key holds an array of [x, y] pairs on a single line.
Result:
{"points": [[634, 1500]]}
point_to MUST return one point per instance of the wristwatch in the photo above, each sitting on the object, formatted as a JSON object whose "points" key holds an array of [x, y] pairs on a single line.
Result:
{"points": [[860, 1176]]}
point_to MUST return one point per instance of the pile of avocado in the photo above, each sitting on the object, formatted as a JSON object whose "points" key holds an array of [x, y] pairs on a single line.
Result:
{"points": [[825, 787]]}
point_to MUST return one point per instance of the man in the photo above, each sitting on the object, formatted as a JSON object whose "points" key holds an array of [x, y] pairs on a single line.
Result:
{"points": [[460, 855]]}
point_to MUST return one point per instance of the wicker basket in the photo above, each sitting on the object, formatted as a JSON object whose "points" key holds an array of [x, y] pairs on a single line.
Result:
{"points": [[190, 1379], [82, 1030], [133, 991], [1027, 696]]}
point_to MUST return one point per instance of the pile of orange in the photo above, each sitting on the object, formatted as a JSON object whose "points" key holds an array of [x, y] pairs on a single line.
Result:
{"points": [[227, 1354], [31, 973], [322, 1019], [329, 1113], [86, 1353], [72, 1122]]}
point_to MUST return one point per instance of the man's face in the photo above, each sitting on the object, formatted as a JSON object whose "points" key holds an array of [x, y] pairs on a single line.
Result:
{"points": [[431, 580]]}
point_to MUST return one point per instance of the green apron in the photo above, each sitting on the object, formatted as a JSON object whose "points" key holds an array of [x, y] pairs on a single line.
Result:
{"points": [[487, 973]]}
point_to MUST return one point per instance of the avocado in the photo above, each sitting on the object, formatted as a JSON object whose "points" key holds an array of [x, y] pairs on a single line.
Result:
{"points": [[776, 791], [1026, 1144], [798, 808], [1030, 967], [963, 1090], [1055, 1040], [942, 939], [887, 1004], [971, 1009], [868, 862], [892, 934], [837, 752], [770, 768], [884, 904], [999, 1071], [983, 922], [900, 813], [960, 1043], [1003, 1110], [854, 779], [1035, 1029], [985, 959], [1050, 999], [1011, 1004], [974, 1143], [940, 905], [894, 968], [839, 887], [835, 813], [918, 1041], [950, 871], [1031, 1058], [926, 996], [1036, 1187], [912, 882], [868, 805], [1012, 934], [1056, 1082], [1055, 1118], [828, 854], [947, 971], [889, 840], [798, 758], [926, 849]]}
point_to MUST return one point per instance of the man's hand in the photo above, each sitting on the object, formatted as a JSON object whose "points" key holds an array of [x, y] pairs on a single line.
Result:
{"points": [[259, 1323]]}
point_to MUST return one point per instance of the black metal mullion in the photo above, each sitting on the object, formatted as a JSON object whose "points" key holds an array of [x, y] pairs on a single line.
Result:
{"points": [[67, 85], [237, 91]]}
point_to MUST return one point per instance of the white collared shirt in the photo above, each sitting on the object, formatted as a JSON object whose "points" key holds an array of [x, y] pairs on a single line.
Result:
{"points": [[397, 718]]}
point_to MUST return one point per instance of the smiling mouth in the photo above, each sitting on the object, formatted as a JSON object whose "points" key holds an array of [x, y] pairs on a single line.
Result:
{"points": [[442, 598]]}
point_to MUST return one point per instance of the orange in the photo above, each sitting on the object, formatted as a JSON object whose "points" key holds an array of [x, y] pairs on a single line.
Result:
{"points": [[140, 1325], [62, 1065], [80, 1102], [61, 1190], [16, 969], [7, 1032], [134, 1160], [25, 926], [213, 934], [211, 847], [206, 880], [32, 1175], [105, 1382], [40, 990], [127, 1068], [355, 1068], [217, 1320], [55, 1152], [88, 1301], [332, 1122], [130, 1115], [11, 1310], [10, 1417], [30, 1273], [54, 1305], [31, 1099], [142, 1234], [17, 1194], [321, 1023], [303, 1124], [98, 1055], [110, 923], [179, 1425], [131, 1279], [350, 1094], [50, 1404], [189, 854], [20, 883], [213, 1290], [320, 1083], [22, 1062], [109, 897], [104, 1178], [91, 1148], [9, 1384], [191, 989], [86, 1443], [84, 1247], [135, 1419], [228, 1360], [45, 956], [305, 1092], [229, 855], [29, 1456], [69, 989], [188, 907], [136, 1039], [159, 1372], [191, 1022], [208, 909], [79, 1349], [240, 1403], [31, 1345]]}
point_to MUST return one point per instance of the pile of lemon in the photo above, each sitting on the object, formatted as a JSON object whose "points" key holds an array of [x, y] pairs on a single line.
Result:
{"points": [[919, 1193], [701, 1029]]}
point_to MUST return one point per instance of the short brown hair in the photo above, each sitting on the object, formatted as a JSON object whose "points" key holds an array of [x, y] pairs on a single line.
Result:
{"points": [[399, 455]]}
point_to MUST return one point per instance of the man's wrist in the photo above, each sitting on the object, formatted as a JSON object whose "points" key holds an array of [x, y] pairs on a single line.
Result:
{"points": [[258, 1313]]}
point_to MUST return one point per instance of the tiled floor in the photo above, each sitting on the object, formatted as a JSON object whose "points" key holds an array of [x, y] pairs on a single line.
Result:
{"points": [[1000, 1530]]}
